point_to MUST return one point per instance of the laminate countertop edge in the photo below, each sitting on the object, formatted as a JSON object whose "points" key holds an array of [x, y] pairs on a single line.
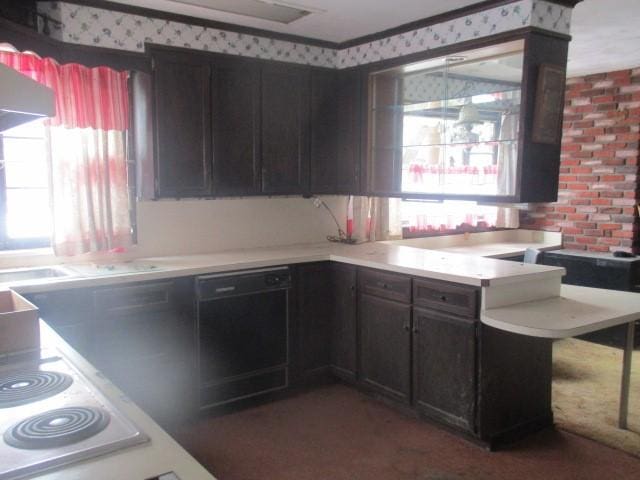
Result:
{"points": [[578, 310]]}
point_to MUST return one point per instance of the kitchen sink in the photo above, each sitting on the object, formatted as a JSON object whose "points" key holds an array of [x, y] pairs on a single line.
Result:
{"points": [[22, 274]]}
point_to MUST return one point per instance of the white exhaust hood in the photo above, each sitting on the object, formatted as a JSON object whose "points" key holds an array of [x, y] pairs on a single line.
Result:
{"points": [[22, 99]]}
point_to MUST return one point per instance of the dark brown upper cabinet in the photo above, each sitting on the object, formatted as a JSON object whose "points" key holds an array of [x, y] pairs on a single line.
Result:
{"points": [[285, 128], [483, 123], [335, 131], [236, 126], [230, 126], [182, 102]]}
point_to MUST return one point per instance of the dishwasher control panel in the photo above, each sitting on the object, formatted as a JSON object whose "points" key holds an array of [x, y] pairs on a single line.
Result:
{"points": [[241, 283]]}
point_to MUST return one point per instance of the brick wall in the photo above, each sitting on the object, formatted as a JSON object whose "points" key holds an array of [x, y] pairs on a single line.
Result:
{"points": [[599, 166]]}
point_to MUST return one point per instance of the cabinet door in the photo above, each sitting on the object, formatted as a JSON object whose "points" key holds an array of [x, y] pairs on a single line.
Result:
{"points": [[385, 346], [314, 309], [349, 125], [236, 126], [385, 137], [335, 103], [343, 321], [444, 367], [182, 93], [144, 342], [285, 129], [324, 131]]}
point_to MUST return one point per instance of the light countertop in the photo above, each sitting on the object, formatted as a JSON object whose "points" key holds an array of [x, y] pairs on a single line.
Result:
{"points": [[576, 311], [466, 269], [496, 244], [161, 455]]}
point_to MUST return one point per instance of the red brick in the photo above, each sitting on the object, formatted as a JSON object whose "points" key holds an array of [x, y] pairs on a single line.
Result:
{"points": [[622, 234], [571, 230], [577, 186], [585, 225], [569, 178], [586, 240], [566, 209], [612, 178], [610, 226], [600, 201], [581, 170]]}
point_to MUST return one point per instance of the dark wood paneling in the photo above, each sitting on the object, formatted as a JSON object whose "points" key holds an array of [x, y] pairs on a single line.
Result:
{"points": [[385, 346], [183, 124], [236, 126], [285, 129], [343, 321], [444, 367]]}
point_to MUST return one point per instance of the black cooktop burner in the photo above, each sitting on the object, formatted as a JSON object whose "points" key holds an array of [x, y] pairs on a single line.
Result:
{"points": [[26, 387], [57, 428]]}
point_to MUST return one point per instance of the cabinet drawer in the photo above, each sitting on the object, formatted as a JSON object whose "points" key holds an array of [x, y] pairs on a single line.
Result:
{"points": [[386, 285], [131, 299], [447, 297]]}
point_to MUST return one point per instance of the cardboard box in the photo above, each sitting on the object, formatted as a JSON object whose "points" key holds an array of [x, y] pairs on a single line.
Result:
{"points": [[19, 327]]}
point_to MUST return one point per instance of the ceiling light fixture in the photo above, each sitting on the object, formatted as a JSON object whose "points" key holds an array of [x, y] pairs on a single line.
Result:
{"points": [[280, 11]]}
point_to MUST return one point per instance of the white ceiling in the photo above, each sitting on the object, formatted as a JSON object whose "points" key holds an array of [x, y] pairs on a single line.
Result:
{"points": [[606, 36], [606, 33]]}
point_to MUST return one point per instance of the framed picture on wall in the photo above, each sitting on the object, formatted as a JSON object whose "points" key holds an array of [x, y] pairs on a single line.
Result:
{"points": [[549, 104]]}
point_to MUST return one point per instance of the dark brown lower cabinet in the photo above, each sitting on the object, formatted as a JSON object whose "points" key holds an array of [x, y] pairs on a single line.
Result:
{"points": [[385, 346], [514, 391], [343, 323], [311, 336], [143, 337], [444, 367], [68, 312]]}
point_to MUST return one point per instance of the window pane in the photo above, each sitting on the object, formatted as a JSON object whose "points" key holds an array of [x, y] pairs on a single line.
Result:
{"points": [[26, 173], [28, 213], [17, 149]]}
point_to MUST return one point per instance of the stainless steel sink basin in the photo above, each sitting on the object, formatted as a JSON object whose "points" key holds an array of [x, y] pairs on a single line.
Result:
{"points": [[22, 274]]}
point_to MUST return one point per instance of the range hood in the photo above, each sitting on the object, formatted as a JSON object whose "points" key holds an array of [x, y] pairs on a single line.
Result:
{"points": [[22, 99]]}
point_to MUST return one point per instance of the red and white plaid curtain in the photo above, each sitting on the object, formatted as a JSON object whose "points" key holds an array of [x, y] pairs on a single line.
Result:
{"points": [[87, 152]]}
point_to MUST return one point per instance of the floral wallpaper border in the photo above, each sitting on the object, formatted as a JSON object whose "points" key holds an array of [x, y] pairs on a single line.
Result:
{"points": [[98, 27]]}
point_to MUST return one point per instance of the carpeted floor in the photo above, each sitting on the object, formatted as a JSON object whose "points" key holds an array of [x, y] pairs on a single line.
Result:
{"points": [[338, 433], [586, 393]]}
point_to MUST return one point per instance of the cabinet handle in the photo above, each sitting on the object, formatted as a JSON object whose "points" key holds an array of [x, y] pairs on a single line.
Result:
{"points": [[383, 285], [407, 328], [415, 330], [443, 298]]}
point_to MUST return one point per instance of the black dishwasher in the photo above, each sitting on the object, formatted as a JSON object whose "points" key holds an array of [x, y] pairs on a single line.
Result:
{"points": [[242, 334]]}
